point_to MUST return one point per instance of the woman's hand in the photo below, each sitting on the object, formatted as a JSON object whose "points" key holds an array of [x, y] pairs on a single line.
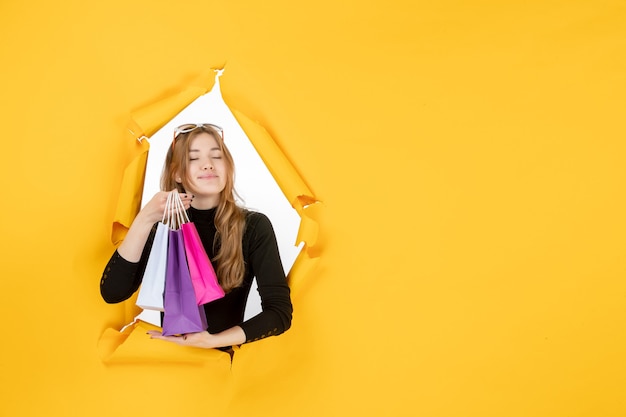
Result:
{"points": [[200, 339], [132, 246], [233, 336], [153, 211]]}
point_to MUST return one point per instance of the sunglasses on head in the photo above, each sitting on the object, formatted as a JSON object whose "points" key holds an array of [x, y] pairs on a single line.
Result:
{"points": [[189, 127]]}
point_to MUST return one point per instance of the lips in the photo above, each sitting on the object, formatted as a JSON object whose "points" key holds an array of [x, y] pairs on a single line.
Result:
{"points": [[207, 177]]}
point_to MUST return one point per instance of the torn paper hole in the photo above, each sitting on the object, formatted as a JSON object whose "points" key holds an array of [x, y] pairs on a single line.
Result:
{"points": [[253, 181]]}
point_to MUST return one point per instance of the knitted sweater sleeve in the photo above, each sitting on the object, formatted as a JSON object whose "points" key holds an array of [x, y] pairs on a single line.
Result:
{"points": [[264, 262], [122, 278]]}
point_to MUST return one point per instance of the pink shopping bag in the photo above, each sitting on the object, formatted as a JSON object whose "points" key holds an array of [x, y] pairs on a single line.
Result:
{"points": [[203, 275]]}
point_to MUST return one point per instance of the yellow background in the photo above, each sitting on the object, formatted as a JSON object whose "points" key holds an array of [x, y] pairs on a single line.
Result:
{"points": [[470, 157]]}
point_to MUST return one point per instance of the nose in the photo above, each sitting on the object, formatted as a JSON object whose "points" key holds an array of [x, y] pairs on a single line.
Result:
{"points": [[208, 165]]}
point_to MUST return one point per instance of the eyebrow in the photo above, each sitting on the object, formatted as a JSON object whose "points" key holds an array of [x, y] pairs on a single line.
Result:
{"points": [[198, 150]]}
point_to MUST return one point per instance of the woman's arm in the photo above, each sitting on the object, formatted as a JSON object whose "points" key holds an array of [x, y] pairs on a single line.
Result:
{"points": [[122, 274], [229, 337], [264, 261]]}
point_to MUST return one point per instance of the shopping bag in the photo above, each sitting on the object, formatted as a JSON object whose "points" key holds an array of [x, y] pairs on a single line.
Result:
{"points": [[203, 275], [181, 311], [150, 295]]}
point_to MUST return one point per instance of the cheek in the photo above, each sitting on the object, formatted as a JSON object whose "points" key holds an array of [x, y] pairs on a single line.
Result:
{"points": [[221, 166], [223, 173]]}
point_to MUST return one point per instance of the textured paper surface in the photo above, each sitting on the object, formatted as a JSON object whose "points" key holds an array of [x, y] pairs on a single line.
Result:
{"points": [[470, 160]]}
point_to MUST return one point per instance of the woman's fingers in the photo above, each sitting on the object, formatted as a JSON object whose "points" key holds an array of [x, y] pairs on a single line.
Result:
{"points": [[186, 199], [158, 335], [189, 339], [156, 207]]}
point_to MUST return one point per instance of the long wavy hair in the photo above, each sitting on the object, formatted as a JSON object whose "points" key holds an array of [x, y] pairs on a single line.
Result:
{"points": [[229, 217]]}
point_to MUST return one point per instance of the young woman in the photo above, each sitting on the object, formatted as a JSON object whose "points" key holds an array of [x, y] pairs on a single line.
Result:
{"points": [[241, 244]]}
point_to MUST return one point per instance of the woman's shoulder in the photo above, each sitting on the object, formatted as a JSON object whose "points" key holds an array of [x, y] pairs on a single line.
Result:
{"points": [[258, 232], [256, 218], [258, 224]]}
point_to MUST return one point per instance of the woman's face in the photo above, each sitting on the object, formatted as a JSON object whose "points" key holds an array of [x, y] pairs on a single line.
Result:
{"points": [[206, 173]]}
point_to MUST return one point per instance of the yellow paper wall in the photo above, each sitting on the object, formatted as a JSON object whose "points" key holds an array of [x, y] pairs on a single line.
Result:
{"points": [[470, 159]]}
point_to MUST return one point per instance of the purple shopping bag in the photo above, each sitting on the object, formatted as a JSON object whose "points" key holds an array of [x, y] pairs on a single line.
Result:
{"points": [[203, 276], [182, 314]]}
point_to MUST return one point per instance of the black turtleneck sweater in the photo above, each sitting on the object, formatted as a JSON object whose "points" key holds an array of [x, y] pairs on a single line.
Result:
{"points": [[122, 278]]}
